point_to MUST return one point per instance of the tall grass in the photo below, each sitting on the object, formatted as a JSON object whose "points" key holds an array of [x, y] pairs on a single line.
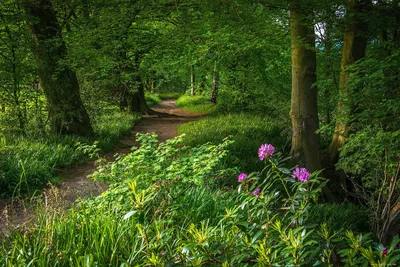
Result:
{"points": [[170, 95], [29, 164], [152, 99], [161, 216], [196, 104], [248, 130]]}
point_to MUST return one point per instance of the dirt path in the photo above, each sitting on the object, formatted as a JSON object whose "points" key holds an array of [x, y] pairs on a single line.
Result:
{"points": [[77, 185]]}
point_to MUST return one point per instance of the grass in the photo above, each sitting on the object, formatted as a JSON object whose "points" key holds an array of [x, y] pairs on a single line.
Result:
{"points": [[152, 99], [199, 104], [341, 216], [170, 95], [248, 130], [29, 164], [155, 214]]}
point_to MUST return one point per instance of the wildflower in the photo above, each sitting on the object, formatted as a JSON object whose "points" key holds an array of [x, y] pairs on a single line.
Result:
{"points": [[257, 191], [301, 174], [384, 251], [265, 151], [241, 177]]}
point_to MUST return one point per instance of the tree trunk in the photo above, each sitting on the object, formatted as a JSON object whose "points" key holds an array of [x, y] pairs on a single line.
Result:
{"points": [[303, 113], [137, 101], [192, 81], [201, 87], [354, 46], [215, 83], [67, 113]]}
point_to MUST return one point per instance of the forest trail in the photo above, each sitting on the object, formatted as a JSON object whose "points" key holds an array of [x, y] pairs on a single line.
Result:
{"points": [[75, 182]]}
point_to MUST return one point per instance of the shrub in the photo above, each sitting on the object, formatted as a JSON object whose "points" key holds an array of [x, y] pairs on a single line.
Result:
{"points": [[29, 164], [163, 209], [152, 99], [247, 130]]}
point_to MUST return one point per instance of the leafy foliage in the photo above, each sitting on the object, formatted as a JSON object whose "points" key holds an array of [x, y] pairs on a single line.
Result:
{"points": [[248, 130], [177, 215], [28, 164], [196, 104]]}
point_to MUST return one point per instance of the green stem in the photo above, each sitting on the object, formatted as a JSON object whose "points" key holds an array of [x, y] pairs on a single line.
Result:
{"points": [[280, 178]]}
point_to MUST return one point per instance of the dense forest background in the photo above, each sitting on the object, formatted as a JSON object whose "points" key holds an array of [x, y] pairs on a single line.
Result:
{"points": [[318, 79]]}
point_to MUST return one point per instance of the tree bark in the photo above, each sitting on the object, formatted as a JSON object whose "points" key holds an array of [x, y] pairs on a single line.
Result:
{"points": [[67, 113], [201, 86], [137, 102], [192, 81], [215, 84], [303, 113], [354, 46]]}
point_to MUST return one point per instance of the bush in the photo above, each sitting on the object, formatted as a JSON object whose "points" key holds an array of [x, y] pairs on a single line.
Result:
{"points": [[29, 164], [163, 208], [152, 99], [110, 127], [247, 130], [341, 217]]}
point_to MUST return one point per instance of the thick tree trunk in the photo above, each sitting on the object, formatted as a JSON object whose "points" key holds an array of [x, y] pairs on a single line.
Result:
{"points": [[215, 84], [137, 102], [67, 113], [192, 81], [303, 113], [355, 43]]}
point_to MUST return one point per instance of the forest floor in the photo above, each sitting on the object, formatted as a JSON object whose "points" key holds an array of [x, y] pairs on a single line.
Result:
{"points": [[75, 184]]}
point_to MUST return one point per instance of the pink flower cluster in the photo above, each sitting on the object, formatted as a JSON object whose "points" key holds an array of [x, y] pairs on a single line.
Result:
{"points": [[301, 174], [265, 151], [242, 177], [256, 192]]}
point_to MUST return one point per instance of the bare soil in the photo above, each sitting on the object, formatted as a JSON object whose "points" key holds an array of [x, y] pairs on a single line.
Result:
{"points": [[20, 213]]}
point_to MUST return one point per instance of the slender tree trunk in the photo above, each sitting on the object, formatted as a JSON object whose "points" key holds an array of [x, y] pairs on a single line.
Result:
{"points": [[201, 86], [67, 113], [354, 46], [153, 81], [215, 84], [303, 113], [192, 81]]}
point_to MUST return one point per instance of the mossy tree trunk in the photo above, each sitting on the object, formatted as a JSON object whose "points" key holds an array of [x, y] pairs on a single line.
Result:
{"points": [[67, 114], [137, 101], [354, 46], [303, 113]]}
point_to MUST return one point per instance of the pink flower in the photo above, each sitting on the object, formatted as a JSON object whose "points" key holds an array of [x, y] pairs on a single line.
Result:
{"points": [[256, 192], [384, 251], [301, 174], [241, 177], [265, 151]]}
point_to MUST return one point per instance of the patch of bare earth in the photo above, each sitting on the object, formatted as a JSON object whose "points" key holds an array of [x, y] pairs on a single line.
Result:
{"points": [[76, 185]]}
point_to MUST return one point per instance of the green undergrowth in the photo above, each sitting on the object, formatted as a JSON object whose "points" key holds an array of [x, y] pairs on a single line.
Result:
{"points": [[152, 99], [247, 130], [199, 104], [170, 95], [165, 207], [341, 216], [29, 164]]}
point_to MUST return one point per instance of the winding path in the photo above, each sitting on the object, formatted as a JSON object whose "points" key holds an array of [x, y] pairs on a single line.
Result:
{"points": [[75, 182]]}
